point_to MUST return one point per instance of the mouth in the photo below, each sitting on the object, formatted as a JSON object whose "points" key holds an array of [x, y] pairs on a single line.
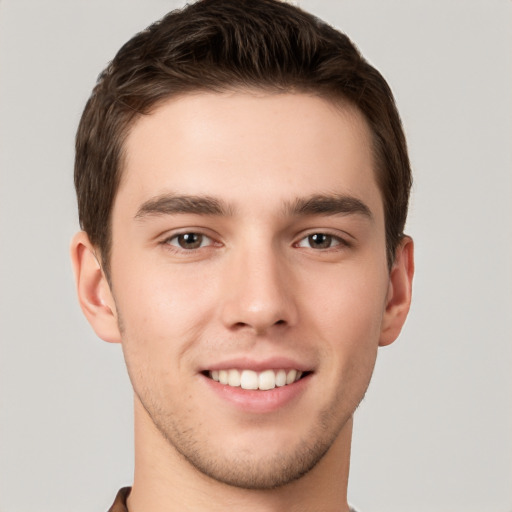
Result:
{"points": [[252, 380]]}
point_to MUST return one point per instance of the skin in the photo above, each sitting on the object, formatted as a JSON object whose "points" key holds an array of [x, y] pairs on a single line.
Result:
{"points": [[258, 287]]}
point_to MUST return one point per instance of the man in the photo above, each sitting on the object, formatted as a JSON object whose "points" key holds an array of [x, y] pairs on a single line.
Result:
{"points": [[242, 180]]}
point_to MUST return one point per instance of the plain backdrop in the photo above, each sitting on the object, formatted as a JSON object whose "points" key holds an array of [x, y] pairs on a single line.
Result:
{"points": [[434, 433]]}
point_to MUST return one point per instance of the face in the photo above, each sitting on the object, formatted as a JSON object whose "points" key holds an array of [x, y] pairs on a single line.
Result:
{"points": [[249, 277]]}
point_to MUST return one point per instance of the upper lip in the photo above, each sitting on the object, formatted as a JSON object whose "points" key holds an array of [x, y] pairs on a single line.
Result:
{"points": [[258, 365]]}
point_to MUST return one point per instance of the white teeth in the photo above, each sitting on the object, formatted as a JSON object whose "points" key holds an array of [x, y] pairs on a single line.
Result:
{"points": [[267, 380], [249, 379], [280, 378], [290, 377], [223, 376], [234, 378]]}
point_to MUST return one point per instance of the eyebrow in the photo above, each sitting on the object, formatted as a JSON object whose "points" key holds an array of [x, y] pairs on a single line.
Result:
{"points": [[317, 204], [169, 204], [328, 204]]}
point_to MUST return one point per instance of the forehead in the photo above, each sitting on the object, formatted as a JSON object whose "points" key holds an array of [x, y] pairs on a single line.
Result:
{"points": [[244, 146]]}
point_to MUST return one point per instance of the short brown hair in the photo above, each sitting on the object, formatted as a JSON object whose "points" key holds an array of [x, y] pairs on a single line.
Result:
{"points": [[216, 45]]}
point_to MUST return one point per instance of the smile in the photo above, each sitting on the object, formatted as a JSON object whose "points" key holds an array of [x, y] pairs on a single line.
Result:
{"points": [[249, 379]]}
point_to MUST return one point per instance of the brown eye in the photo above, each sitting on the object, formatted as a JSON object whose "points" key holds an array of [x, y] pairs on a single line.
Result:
{"points": [[320, 241], [189, 241]]}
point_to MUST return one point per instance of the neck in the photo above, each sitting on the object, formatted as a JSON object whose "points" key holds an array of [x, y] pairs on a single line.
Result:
{"points": [[165, 481]]}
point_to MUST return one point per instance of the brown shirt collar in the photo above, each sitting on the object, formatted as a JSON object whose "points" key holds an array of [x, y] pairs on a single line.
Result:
{"points": [[119, 504]]}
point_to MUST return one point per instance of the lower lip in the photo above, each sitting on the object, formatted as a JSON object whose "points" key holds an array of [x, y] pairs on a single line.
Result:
{"points": [[257, 401]]}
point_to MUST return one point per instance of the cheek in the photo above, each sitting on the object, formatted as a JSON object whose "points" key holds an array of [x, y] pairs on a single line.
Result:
{"points": [[349, 317], [163, 310], [350, 298], [160, 296]]}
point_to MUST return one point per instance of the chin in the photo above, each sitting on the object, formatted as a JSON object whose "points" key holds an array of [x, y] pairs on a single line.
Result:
{"points": [[272, 472], [256, 462]]}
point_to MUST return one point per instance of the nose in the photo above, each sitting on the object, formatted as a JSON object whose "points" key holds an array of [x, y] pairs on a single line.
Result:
{"points": [[258, 291]]}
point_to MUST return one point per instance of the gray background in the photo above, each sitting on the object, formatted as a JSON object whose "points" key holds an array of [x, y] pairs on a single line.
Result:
{"points": [[434, 433]]}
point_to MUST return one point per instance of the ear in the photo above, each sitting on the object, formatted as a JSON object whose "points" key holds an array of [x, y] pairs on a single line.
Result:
{"points": [[398, 300], [94, 294]]}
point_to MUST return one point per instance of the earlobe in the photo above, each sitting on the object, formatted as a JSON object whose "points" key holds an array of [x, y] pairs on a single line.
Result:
{"points": [[398, 300], [94, 294]]}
